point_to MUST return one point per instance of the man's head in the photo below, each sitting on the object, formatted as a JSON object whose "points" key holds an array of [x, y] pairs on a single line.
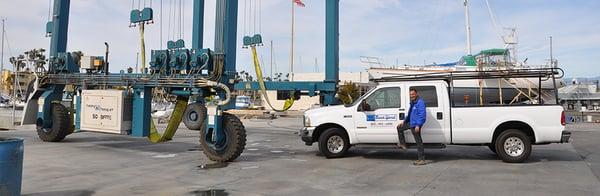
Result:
{"points": [[413, 94]]}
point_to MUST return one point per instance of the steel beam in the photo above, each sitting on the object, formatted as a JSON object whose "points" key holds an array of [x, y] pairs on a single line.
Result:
{"points": [[332, 34], [60, 28], [301, 86], [198, 26]]}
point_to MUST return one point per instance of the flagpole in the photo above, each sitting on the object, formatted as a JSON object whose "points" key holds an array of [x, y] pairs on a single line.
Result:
{"points": [[292, 45]]}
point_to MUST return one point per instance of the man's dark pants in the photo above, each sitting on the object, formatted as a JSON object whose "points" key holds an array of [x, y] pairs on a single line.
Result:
{"points": [[418, 140]]}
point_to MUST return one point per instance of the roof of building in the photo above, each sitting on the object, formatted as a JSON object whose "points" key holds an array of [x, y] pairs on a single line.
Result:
{"points": [[579, 92]]}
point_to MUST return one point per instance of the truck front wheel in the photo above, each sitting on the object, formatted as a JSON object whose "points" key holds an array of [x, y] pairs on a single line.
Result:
{"points": [[513, 146], [334, 143]]}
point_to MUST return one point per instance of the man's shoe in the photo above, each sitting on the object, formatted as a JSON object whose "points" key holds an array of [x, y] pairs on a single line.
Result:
{"points": [[401, 146], [420, 162]]}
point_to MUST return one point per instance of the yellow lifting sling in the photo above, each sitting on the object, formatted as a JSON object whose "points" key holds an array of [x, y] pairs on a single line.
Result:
{"points": [[261, 83]]}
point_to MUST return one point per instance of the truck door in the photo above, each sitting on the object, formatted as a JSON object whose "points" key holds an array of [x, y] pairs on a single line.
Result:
{"points": [[437, 116], [377, 116]]}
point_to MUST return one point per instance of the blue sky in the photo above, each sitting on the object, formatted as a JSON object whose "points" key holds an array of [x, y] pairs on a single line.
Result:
{"points": [[403, 31]]}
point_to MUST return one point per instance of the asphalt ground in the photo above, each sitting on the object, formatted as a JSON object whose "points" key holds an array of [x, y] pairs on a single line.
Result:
{"points": [[276, 162]]}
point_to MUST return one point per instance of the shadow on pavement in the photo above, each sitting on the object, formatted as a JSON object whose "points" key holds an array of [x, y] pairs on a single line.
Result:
{"points": [[63, 193]]}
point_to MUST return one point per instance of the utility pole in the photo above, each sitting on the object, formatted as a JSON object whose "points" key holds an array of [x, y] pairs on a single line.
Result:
{"points": [[271, 59], [14, 97], [316, 65], [292, 45], [468, 26], [137, 59], [551, 55]]}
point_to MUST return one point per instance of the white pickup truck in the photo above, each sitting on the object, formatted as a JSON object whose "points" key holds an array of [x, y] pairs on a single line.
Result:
{"points": [[454, 116]]}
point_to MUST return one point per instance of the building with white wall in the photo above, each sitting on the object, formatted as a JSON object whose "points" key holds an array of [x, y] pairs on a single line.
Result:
{"points": [[306, 102]]}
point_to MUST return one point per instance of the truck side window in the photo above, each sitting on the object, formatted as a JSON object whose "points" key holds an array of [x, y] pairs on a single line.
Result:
{"points": [[384, 98], [428, 94]]}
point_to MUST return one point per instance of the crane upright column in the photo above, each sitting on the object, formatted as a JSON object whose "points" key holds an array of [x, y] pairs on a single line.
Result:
{"points": [[60, 27], [332, 48], [198, 26]]}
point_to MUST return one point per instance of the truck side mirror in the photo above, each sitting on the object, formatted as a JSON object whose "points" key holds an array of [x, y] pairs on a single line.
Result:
{"points": [[364, 106]]}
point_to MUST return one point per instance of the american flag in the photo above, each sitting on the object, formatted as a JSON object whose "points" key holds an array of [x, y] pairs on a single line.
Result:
{"points": [[299, 3]]}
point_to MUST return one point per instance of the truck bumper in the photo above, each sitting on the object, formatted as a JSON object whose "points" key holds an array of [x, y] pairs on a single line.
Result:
{"points": [[306, 135], [565, 137]]}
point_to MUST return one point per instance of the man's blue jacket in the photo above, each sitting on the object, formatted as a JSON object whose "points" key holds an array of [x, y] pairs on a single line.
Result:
{"points": [[417, 113]]}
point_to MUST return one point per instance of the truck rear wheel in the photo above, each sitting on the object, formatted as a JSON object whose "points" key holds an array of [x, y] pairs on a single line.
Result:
{"points": [[231, 142], [334, 143], [61, 125], [513, 146], [194, 116]]}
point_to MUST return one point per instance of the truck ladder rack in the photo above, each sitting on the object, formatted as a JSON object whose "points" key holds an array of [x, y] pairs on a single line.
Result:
{"points": [[542, 73]]}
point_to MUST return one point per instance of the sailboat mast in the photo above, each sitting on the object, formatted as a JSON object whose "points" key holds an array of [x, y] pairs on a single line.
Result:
{"points": [[468, 27], [2, 55]]}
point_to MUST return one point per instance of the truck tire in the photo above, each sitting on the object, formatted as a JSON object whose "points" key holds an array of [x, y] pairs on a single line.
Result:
{"points": [[194, 116], [61, 125], [233, 144], [513, 146], [333, 143]]}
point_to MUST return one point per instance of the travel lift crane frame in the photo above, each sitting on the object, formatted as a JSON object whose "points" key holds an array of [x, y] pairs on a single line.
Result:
{"points": [[47, 110]]}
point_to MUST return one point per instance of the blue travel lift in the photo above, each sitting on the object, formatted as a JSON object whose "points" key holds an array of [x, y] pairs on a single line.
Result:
{"points": [[196, 74]]}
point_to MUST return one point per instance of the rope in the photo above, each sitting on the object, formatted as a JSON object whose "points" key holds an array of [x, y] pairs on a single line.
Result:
{"points": [[161, 25], [169, 23], [494, 21], [180, 19], [260, 16], [7, 42], [183, 21], [254, 17], [245, 12], [174, 7]]}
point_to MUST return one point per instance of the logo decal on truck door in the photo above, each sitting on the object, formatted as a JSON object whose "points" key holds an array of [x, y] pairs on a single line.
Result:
{"points": [[381, 117]]}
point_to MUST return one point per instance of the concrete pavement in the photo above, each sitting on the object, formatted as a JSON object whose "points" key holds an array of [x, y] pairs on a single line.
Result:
{"points": [[276, 162]]}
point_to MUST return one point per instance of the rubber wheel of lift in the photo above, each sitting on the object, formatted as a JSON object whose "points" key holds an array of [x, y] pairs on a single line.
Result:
{"points": [[61, 125], [235, 140], [334, 143], [194, 116], [522, 140]]}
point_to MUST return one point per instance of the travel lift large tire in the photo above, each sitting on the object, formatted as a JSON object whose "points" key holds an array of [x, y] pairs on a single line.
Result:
{"points": [[194, 116], [232, 143], [61, 124]]}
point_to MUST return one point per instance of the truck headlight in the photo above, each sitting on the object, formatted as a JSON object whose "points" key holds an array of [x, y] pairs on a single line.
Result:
{"points": [[306, 121]]}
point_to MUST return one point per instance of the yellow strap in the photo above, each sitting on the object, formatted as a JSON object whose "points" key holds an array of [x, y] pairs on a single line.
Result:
{"points": [[142, 47], [174, 122], [261, 83]]}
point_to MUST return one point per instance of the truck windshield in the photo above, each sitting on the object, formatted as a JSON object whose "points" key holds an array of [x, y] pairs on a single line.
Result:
{"points": [[354, 102]]}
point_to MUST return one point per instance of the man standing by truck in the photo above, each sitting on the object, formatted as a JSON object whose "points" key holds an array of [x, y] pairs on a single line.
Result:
{"points": [[416, 119]]}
